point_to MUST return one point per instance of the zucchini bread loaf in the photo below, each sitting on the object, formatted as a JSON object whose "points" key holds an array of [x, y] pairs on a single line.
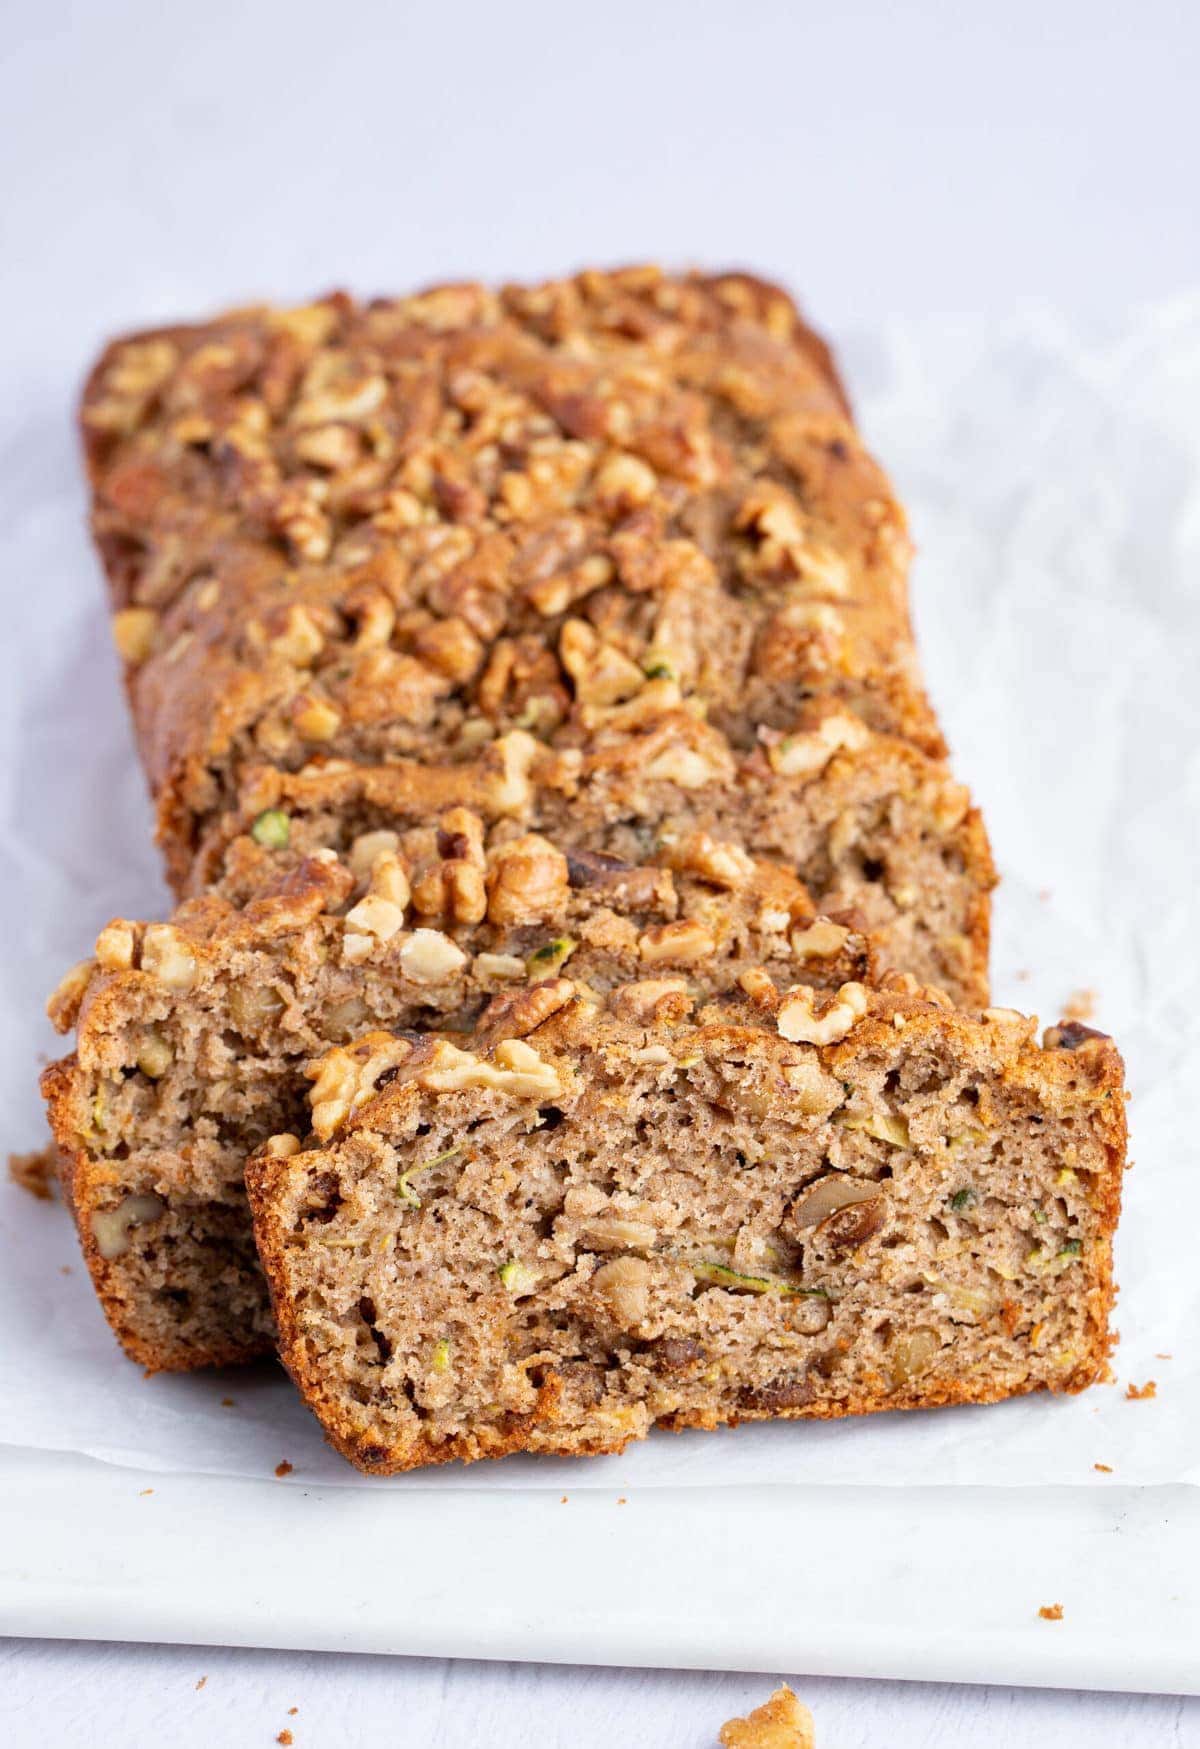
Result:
{"points": [[625, 1213], [192, 1036], [621, 514]]}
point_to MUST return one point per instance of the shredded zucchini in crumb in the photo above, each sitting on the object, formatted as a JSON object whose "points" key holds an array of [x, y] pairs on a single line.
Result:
{"points": [[403, 1186]]}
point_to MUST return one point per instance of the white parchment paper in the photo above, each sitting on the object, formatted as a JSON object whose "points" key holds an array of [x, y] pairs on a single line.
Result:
{"points": [[1054, 490]]}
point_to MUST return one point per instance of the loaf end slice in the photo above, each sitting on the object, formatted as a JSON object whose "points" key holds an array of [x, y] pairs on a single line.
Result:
{"points": [[798, 1205]]}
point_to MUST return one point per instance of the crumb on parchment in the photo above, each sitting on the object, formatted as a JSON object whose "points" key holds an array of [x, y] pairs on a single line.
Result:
{"points": [[201, 1683], [1105, 1468], [285, 1737], [1051, 1612], [283, 1468], [36, 1172], [1080, 1005], [1141, 1393], [782, 1722]]}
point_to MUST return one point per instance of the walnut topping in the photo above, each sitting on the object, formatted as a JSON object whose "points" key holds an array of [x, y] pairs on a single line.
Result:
{"points": [[64, 1004], [653, 999], [299, 642], [453, 888], [367, 847], [684, 943], [346, 1077], [315, 718], [134, 630], [805, 755], [528, 882], [515, 1069], [516, 1013], [714, 860], [167, 957], [282, 1146], [506, 966], [624, 482], [376, 916], [602, 675], [820, 941], [798, 1022], [429, 957], [115, 946]]}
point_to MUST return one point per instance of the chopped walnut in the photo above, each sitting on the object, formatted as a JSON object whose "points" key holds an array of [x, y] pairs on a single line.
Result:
{"points": [[653, 999], [299, 641], [821, 940], [806, 755], [134, 630], [797, 1021], [429, 957], [282, 1146], [528, 882], [345, 1078], [67, 997], [515, 1069], [715, 860], [167, 957], [315, 718], [116, 945], [516, 1013], [367, 847], [684, 943]]}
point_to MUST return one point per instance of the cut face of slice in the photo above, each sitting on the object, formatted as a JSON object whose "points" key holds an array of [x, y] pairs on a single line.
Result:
{"points": [[807, 1204], [192, 1036]]}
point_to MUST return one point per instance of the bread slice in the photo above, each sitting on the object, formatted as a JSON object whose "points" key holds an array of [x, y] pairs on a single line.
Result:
{"points": [[866, 821], [192, 1035], [385, 530], [627, 1215]]}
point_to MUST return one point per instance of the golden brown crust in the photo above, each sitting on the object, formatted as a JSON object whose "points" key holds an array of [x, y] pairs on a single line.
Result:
{"points": [[1085, 1080], [383, 530]]}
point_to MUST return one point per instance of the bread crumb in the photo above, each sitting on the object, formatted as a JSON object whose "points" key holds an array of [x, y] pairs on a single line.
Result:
{"points": [[292, 1711], [621, 1500], [283, 1468], [1140, 1393], [146, 1491], [36, 1172], [1164, 1357], [1105, 1468], [782, 1722], [563, 1501], [1051, 1612], [1080, 1005], [201, 1683], [284, 1737]]}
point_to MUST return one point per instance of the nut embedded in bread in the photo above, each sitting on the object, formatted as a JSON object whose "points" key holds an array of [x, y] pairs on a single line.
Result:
{"points": [[554, 1243]]}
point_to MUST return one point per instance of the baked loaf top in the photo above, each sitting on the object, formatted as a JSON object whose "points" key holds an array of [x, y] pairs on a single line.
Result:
{"points": [[403, 527], [796, 1203]]}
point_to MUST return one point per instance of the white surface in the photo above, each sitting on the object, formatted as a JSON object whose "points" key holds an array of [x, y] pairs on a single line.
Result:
{"points": [[885, 160], [846, 1581]]}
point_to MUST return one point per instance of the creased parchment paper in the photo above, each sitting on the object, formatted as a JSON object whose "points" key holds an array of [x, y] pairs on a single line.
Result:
{"points": [[1054, 491]]}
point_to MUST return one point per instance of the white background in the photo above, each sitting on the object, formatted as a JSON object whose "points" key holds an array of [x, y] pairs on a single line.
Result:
{"points": [[909, 162]]}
